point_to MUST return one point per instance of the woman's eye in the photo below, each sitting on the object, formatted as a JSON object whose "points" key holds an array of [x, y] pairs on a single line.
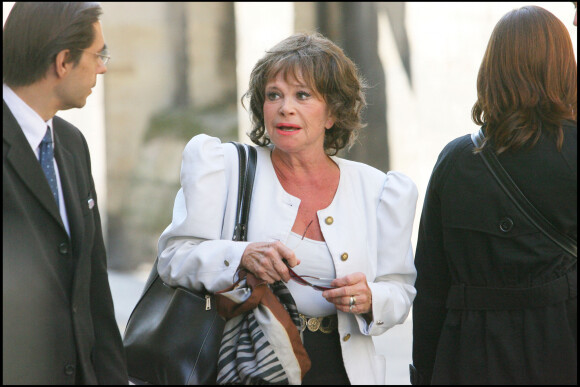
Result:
{"points": [[272, 96], [303, 95]]}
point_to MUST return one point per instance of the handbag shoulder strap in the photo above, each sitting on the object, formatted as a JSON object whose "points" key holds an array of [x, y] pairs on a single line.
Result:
{"points": [[247, 156], [522, 203], [247, 171]]}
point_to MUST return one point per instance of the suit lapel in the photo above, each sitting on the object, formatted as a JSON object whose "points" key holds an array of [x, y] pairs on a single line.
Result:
{"points": [[24, 162], [68, 181]]}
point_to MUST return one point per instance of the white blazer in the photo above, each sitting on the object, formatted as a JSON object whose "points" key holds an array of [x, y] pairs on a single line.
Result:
{"points": [[367, 228]]}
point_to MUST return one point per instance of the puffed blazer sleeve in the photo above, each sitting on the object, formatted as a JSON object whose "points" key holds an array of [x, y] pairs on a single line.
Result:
{"points": [[196, 251], [393, 289]]}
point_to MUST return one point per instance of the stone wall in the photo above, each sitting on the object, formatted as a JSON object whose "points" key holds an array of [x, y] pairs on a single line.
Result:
{"points": [[172, 75]]}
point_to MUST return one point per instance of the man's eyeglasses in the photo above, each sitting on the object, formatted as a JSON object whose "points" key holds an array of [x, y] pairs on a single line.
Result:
{"points": [[315, 282], [103, 55]]}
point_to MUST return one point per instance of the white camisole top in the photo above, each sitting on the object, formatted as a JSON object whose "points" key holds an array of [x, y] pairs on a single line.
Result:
{"points": [[315, 260]]}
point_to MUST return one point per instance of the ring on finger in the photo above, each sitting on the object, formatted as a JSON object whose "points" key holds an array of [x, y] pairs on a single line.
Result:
{"points": [[352, 300]]}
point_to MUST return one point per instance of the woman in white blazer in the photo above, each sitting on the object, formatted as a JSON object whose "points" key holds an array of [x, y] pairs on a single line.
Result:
{"points": [[318, 214]]}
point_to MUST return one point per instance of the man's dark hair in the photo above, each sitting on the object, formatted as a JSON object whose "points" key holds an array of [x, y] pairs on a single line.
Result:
{"points": [[36, 32]]}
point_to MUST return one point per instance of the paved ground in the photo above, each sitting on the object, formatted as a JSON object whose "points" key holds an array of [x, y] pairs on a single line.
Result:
{"points": [[395, 345]]}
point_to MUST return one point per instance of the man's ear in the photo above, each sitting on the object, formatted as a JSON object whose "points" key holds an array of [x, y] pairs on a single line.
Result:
{"points": [[62, 63]]}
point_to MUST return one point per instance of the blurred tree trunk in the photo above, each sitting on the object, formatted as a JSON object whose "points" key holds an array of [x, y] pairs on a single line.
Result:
{"points": [[361, 45], [177, 12], [354, 27]]}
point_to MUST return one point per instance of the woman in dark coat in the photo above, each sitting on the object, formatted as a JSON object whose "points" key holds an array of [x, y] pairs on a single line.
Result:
{"points": [[472, 235]]}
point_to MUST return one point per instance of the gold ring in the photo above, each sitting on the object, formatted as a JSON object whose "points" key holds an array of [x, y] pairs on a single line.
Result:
{"points": [[352, 300]]}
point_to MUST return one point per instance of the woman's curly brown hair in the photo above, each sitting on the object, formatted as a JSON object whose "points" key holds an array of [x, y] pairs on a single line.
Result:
{"points": [[325, 68]]}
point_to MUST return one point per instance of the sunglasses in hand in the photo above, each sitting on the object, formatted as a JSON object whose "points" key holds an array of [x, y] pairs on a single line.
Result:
{"points": [[315, 282]]}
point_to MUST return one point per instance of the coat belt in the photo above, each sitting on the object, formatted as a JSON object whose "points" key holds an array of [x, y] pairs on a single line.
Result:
{"points": [[464, 297]]}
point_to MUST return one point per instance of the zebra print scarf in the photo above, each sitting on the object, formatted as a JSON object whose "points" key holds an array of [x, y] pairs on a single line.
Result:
{"points": [[261, 343]]}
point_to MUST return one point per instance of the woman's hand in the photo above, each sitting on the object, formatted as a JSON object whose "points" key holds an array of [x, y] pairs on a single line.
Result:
{"points": [[353, 285], [264, 260]]}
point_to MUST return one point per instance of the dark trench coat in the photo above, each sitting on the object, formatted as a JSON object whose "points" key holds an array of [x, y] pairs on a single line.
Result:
{"points": [[472, 234]]}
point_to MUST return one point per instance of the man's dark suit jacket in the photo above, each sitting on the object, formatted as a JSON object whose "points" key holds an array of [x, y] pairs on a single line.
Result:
{"points": [[58, 318]]}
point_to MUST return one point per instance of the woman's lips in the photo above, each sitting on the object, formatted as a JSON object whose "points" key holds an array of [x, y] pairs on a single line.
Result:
{"points": [[286, 127]]}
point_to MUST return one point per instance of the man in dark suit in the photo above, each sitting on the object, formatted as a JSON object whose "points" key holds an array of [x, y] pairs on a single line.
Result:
{"points": [[58, 319]]}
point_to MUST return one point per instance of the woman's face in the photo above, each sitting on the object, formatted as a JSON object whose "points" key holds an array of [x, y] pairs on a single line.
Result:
{"points": [[295, 117]]}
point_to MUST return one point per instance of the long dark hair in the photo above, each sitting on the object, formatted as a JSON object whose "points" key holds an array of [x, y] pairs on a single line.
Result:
{"points": [[526, 84], [36, 32]]}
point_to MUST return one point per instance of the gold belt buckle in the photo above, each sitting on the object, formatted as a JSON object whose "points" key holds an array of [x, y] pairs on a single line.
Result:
{"points": [[315, 323], [330, 326], [302, 322]]}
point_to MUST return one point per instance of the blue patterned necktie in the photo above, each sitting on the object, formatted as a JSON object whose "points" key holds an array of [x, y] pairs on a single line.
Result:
{"points": [[47, 163]]}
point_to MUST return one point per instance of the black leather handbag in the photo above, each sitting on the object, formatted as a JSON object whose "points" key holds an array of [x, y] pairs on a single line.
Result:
{"points": [[173, 335]]}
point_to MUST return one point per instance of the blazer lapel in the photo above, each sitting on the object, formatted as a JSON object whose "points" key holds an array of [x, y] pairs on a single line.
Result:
{"points": [[24, 162], [68, 181]]}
